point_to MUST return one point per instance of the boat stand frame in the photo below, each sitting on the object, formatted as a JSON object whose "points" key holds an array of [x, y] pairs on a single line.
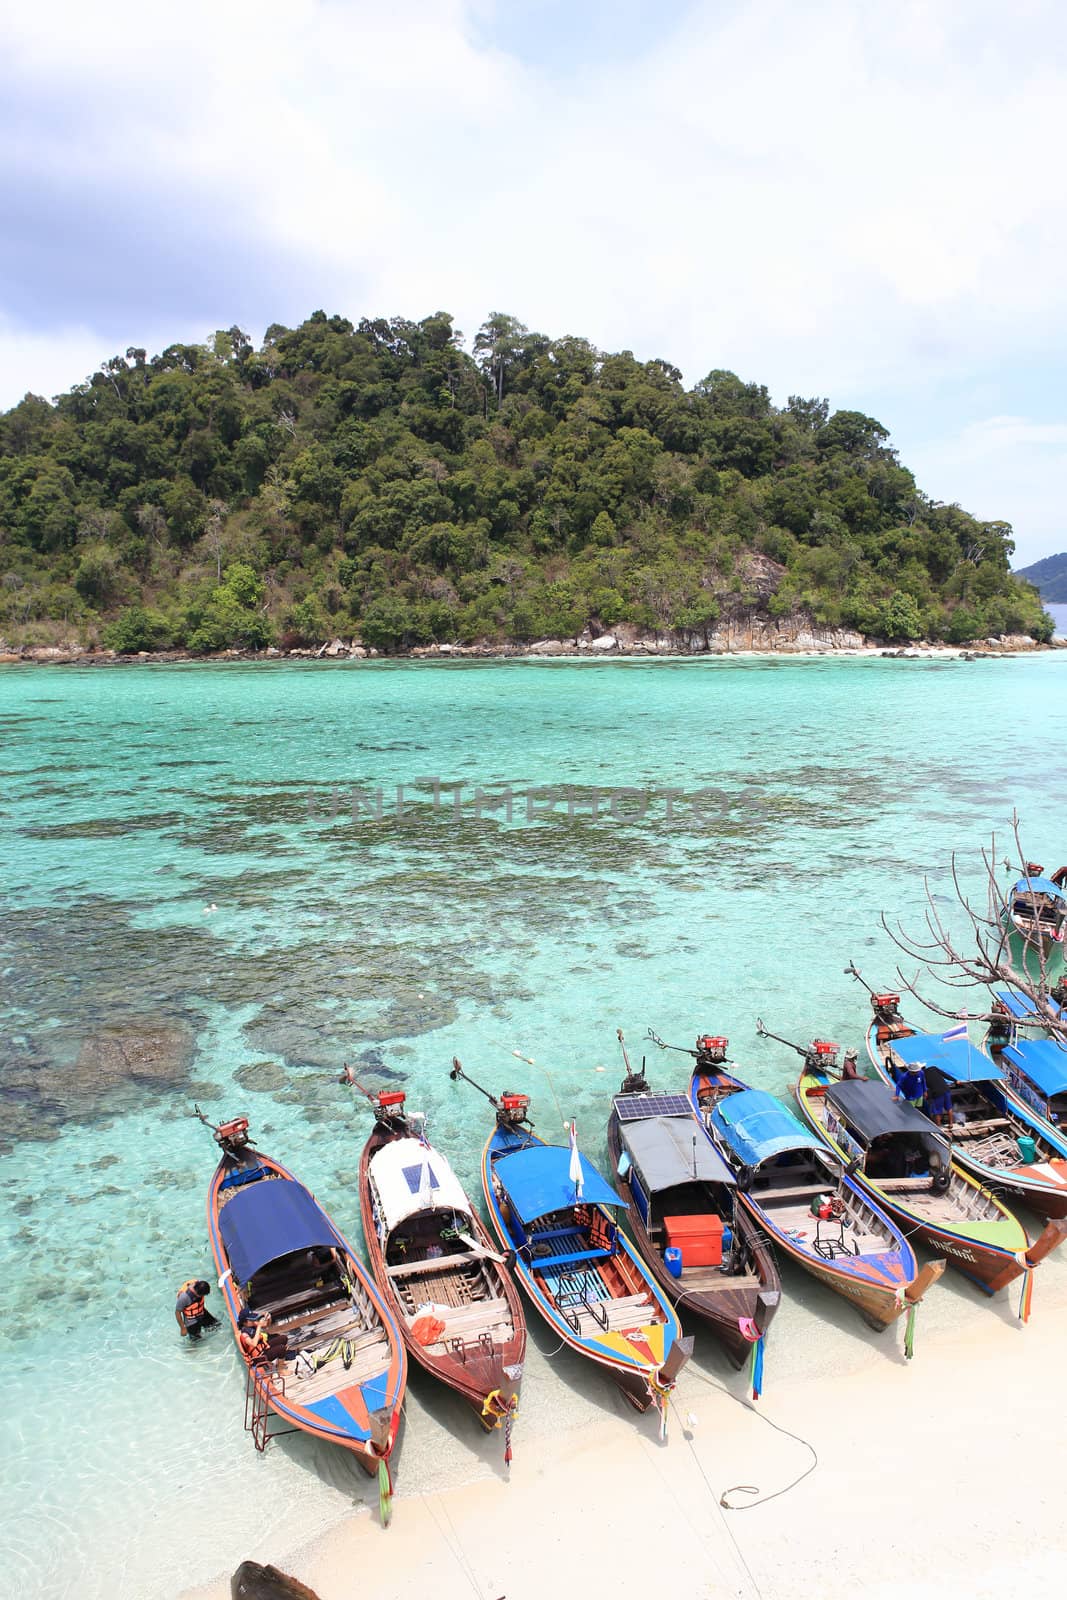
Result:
{"points": [[258, 1412]]}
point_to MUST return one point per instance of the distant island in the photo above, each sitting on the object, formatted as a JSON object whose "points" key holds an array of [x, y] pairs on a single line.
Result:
{"points": [[1049, 578], [376, 482]]}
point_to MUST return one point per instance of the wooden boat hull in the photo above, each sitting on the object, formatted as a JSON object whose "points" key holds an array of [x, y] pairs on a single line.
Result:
{"points": [[724, 1308], [366, 1430], [989, 1262], [642, 1361], [881, 1285], [880, 1304], [1042, 1185], [479, 1369]]}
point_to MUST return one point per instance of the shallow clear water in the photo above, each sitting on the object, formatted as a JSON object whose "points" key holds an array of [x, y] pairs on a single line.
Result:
{"points": [[184, 919]]}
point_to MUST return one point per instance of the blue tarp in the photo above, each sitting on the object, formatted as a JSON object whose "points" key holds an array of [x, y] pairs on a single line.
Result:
{"points": [[1020, 1006], [758, 1126], [1027, 886], [1044, 1062], [268, 1220], [537, 1180], [957, 1059]]}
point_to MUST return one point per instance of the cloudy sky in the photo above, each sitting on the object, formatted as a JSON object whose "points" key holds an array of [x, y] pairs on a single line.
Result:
{"points": [[828, 197]]}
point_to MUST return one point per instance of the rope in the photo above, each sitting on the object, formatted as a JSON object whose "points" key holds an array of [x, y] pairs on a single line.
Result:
{"points": [[455, 1549], [750, 1488]]}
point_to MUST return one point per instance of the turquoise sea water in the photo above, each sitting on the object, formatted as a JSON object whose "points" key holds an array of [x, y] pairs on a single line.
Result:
{"points": [[189, 911]]}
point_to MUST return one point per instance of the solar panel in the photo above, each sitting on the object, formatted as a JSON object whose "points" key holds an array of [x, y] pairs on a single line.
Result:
{"points": [[414, 1176], [632, 1107]]}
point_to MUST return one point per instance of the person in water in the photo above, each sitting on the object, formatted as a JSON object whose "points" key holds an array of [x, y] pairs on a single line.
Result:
{"points": [[190, 1312]]}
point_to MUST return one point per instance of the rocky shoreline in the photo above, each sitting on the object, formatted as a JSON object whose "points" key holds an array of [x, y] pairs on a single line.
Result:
{"points": [[744, 637], [753, 639]]}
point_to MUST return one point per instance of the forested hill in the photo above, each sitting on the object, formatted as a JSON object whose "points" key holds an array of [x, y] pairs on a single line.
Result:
{"points": [[378, 481], [1049, 577]]}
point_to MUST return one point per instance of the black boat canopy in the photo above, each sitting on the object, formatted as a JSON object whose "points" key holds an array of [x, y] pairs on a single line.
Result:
{"points": [[870, 1108], [668, 1151]]}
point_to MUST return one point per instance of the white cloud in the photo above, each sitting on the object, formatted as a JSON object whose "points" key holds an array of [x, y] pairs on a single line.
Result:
{"points": [[831, 199], [45, 363], [1004, 468]]}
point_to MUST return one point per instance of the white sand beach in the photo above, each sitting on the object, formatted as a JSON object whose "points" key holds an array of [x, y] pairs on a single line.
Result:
{"points": [[940, 1476]]}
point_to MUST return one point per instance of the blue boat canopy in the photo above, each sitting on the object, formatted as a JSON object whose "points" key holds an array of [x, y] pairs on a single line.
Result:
{"points": [[1044, 1063], [269, 1220], [1020, 1006], [757, 1126], [957, 1059], [537, 1180], [1027, 886]]}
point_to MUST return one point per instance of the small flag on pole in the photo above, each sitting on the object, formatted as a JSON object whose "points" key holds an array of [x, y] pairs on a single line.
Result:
{"points": [[575, 1169], [958, 1032]]}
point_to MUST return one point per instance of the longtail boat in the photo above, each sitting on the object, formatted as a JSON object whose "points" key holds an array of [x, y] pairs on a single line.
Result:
{"points": [[906, 1167], [554, 1215], [796, 1187], [995, 1137], [681, 1198], [1031, 1051], [277, 1251], [1035, 910], [456, 1305]]}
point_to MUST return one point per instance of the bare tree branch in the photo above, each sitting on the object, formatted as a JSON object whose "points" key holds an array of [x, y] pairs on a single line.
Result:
{"points": [[987, 958]]}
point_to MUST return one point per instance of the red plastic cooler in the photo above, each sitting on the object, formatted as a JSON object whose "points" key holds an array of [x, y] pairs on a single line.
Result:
{"points": [[698, 1238]]}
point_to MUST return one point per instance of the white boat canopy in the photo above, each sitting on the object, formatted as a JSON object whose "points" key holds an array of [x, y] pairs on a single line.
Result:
{"points": [[411, 1177]]}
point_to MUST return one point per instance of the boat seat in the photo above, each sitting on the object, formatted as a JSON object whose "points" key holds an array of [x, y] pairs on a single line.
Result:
{"points": [[814, 1187], [242, 1176], [895, 1184], [483, 1315], [432, 1264], [552, 1263], [310, 1314]]}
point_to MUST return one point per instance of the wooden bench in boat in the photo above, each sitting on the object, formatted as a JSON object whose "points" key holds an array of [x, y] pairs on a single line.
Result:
{"points": [[899, 1185], [706, 1280], [367, 1360], [478, 1318], [552, 1263], [971, 1130], [790, 1194], [338, 1326], [312, 1313], [630, 1311], [432, 1264]]}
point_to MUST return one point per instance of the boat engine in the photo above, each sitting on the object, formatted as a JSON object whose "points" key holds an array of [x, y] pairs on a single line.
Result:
{"points": [[389, 1107], [232, 1135], [821, 1056], [511, 1112], [711, 1050]]}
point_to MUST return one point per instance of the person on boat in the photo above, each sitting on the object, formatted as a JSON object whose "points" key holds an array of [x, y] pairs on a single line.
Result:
{"points": [[190, 1312], [911, 1084], [260, 1347], [850, 1066], [938, 1107]]}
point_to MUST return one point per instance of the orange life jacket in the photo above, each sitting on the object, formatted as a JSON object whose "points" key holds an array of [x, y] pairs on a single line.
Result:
{"points": [[599, 1232], [253, 1341], [196, 1309]]}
